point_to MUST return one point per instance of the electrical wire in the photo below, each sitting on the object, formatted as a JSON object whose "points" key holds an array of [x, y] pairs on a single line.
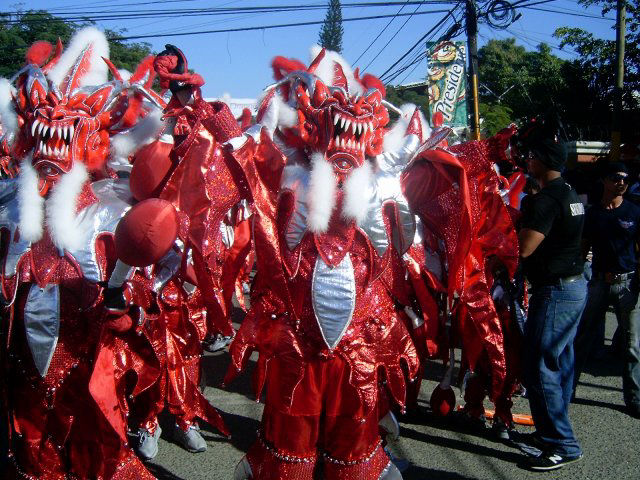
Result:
{"points": [[379, 34], [391, 39]]}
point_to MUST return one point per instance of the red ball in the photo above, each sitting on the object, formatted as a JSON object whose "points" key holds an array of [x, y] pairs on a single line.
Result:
{"points": [[443, 401], [147, 232], [150, 171]]}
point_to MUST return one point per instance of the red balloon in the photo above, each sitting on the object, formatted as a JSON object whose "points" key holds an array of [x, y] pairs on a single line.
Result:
{"points": [[443, 401], [147, 232], [151, 167]]}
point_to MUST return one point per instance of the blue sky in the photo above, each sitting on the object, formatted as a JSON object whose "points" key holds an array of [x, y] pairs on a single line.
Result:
{"points": [[237, 63]]}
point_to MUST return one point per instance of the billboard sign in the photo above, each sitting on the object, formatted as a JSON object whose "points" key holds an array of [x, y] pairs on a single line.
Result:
{"points": [[447, 85]]}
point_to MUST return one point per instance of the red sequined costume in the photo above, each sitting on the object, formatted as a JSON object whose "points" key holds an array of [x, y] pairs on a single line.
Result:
{"points": [[57, 219], [332, 219], [188, 278]]}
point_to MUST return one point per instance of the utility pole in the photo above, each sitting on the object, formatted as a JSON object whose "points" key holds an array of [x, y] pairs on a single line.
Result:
{"points": [[471, 19], [616, 120]]}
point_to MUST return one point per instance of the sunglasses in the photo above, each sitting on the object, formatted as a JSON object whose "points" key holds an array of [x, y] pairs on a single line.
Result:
{"points": [[618, 177]]}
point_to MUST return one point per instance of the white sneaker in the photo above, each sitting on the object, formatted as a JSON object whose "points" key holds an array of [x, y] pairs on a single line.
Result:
{"points": [[219, 342], [147, 447], [190, 440]]}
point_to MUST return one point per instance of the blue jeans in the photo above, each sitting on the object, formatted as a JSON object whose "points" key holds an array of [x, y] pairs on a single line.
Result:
{"points": [[623, 296], [554, 313]]}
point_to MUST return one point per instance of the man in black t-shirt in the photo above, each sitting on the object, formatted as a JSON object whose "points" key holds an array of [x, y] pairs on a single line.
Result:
{"points": [[612, 228], [552, 224]]}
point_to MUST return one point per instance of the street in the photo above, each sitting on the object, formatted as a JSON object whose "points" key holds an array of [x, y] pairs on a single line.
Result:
{"points": [[437, 450]]}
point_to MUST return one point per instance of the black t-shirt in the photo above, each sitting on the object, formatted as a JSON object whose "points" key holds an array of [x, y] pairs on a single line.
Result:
{"points": [[557, 213], [612, 233]]}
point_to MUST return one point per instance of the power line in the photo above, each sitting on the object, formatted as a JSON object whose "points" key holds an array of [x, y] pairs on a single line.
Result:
{"points": [[265, 27], [391, 39], [379, 34]]}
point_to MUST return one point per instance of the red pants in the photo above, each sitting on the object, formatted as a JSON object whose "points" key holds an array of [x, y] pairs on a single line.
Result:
{"points": [[326, 422]]}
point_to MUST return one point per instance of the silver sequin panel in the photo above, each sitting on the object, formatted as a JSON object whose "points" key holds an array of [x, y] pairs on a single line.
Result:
{"points": [[333, 294], [42, 324]]}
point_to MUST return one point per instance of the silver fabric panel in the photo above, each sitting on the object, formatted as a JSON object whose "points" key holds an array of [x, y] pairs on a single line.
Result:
{"points": [[10, 218], [114, 199], [386, 187], [393, 163], [165, 269], [227, 234], [333, 294], [297, 227], [42, 324]]}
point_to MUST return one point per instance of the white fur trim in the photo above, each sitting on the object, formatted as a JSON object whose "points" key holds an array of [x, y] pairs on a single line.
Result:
{"points": [[128, 142], [61, 206], [395, 137], [321, 196], [30, 203], [97, 74], [8, 116], [356, 193], [325, 69]]}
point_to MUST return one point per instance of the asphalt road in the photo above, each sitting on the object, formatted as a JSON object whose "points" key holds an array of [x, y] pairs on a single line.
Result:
{"points": [[437, 449]]}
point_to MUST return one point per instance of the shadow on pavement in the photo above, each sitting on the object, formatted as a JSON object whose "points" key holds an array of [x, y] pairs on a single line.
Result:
{"points": [[462, 445], [161, 473], [599, 404], [420, 473]]}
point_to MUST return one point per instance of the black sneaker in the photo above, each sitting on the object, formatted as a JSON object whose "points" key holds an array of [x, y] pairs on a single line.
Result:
{"points": [[550, 461]]}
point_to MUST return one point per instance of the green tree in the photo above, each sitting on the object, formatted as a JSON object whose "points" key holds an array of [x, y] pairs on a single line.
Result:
{"points": [[18, 31], [331, 31], [596, 66]]}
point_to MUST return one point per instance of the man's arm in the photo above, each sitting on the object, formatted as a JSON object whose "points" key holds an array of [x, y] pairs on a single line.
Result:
{"points": [[529, 240]]}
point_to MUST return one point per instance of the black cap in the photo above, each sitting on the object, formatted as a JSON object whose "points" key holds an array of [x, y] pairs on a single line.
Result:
{"points": [[611, 168], [540, 137]]}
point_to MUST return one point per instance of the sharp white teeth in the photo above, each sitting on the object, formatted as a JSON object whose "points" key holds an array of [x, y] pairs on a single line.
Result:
{"points": [[56, 152], [49, 151], [343, 120], [349, 144], [59, 132], [358, 128], [342, 144], [336, 119], [33, 128], [347, 125], [45, 130], [71, 130], [40, 128], [354, 127], [65, 130]]}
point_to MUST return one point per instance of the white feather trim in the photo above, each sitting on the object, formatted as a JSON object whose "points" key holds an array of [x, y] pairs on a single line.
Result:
{"points": [[321, 195], [128, 142], [61, 206], [325, 69], [97, 74], [356, 193], [30, 203], [8, 116]]}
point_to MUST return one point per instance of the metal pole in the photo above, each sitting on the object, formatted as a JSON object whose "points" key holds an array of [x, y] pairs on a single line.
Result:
{"points": [[471, 18], [616, 120]]}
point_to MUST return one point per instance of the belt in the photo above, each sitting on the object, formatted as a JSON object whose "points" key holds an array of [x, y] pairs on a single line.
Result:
{"points": [[613, 278], [560, 280]]}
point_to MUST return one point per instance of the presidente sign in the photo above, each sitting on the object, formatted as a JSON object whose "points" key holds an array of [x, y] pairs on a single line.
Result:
{"points": [[447, 81]]}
